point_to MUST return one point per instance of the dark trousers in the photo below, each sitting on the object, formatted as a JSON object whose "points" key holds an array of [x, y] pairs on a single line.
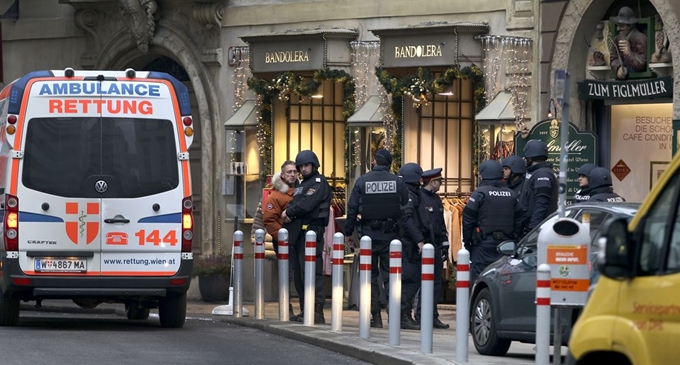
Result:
{"points": [[380, 265], [438, 265], [318, 275], [410, 284], [481, 256]]}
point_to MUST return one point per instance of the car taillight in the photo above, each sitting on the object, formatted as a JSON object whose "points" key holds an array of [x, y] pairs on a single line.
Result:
{"points": [[187, 224], [11, 223]]}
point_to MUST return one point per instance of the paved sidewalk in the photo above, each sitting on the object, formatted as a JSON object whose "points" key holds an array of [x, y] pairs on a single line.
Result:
{"points": [[374, 350]]}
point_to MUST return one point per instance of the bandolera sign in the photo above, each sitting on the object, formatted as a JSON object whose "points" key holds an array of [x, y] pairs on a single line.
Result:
{"points": [[581, 148], [626, 90]]}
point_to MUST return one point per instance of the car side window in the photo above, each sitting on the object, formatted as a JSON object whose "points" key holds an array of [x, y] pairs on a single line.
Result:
{"points": [[655, 230], [597, 217], [673, 264], [530, 245]]}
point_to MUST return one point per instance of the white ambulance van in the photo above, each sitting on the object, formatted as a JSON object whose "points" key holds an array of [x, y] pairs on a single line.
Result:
{"points": [[96, 192]]}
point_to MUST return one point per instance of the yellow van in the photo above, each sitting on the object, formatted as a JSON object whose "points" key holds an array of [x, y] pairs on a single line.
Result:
{"points": [[633, 314]]}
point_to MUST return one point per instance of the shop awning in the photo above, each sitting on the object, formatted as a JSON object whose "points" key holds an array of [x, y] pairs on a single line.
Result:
{"points": [[368, 115], [245, 116], [499, 109]]}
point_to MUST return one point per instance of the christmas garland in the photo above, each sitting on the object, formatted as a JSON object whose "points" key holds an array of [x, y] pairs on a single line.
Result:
{"points": [[420, 87], [286, 83]]}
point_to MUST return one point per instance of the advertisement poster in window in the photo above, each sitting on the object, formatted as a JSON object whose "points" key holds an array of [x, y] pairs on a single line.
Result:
{"points": [[641, 138]]}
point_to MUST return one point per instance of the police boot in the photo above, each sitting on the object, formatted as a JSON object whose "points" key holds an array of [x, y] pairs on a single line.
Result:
{"points": [[408, 323], [439, 324], [318, 314], [292, 316], [376, 319]]}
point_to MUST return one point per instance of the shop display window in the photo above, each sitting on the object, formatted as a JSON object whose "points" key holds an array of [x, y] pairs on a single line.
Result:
{"points": [[241, 181], [495, 141]]}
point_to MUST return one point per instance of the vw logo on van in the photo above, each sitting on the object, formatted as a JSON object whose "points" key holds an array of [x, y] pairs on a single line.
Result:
{"points": [[101, 186]]}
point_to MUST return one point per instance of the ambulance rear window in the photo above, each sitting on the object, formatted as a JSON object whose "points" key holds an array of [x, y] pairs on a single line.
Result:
{"points": [[66, 156]]}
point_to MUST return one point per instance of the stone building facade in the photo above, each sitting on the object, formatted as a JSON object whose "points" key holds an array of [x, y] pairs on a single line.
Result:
{"points": [[212, 46]]}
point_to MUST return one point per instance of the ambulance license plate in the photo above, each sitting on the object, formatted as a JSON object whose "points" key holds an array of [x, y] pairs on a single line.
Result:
{"points": [[60, 265]]}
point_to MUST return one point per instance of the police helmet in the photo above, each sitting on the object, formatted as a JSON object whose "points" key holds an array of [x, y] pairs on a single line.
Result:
{"points": [[306, 156], [515, 164], [599, 177], [535, 148], [491, 170], [411, 173], [585, 169]]}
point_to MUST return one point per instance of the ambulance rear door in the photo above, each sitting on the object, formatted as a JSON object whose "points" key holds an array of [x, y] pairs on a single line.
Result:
{"points": [[56, 158], [141, 184]]}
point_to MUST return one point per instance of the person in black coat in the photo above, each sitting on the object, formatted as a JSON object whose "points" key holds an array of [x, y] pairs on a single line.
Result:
{"points": [[583, 194], [309, 211], [375, 207], [538, 198], [601, 186]]}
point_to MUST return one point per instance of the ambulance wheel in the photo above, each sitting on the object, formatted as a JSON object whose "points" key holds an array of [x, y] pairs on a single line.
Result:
{"points": [[9, 310], [483, 326], [136, 313], [172, 310]]}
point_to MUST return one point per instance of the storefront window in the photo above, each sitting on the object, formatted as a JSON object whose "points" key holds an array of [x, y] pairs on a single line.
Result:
{"points": [[312, 123], [439, 134], [641, 146]]}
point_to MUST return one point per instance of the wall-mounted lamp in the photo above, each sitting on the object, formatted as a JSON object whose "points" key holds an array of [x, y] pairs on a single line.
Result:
{"points": [[552, 109], [233, 56]]}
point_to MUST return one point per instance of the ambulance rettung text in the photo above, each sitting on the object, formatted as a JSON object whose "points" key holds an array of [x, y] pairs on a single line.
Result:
{"points": [[98, 105]]}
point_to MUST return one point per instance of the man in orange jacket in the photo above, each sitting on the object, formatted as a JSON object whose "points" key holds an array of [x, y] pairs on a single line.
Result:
{"points": [[284, 184]]}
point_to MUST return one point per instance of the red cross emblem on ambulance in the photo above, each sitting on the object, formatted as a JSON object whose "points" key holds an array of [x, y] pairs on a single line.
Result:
{"points": [[82, 224]]}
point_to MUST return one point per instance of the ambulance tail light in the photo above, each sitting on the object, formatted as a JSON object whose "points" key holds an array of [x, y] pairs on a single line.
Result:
{"points": [[11, 223], [187, 121], [187, 224]]}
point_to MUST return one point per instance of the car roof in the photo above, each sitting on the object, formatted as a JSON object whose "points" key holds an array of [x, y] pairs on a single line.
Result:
{"points": [[621, 208]]}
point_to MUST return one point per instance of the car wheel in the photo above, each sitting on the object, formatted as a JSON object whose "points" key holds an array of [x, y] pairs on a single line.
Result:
{"points": [[172, 310], [9, 310], [136, 313], [483, 326]]}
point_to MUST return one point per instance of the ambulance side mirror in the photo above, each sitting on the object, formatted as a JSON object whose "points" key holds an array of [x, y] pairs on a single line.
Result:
{"points": [[615, 258]]}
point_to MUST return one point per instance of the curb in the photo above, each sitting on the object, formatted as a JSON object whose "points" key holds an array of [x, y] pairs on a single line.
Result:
{"points": [[343, 343]]}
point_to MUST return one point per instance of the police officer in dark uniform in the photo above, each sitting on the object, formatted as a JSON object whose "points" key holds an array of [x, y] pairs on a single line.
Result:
{"points": [[583, 194], [514, 169], [375, 208], [601, 189], [491, 216], [309, 211], [412, 239], [432, 215], [539, 194]]}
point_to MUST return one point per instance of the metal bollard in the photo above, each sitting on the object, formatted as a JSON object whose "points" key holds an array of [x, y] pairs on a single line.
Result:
{"points": [[238, 274], [310, 271], [259, 273], [284, 274], [462, 305], [365, 287], [394, 320], [543, 315], [338, 261], [427, 299]]}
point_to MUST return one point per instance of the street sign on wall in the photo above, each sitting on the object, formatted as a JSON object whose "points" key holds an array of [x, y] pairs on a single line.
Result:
{"points": [[581, 147]]}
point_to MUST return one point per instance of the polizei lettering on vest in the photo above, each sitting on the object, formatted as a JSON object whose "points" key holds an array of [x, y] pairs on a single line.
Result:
{"points": [[286, 57], [381, 187], [426, 50], [499, 193]]}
